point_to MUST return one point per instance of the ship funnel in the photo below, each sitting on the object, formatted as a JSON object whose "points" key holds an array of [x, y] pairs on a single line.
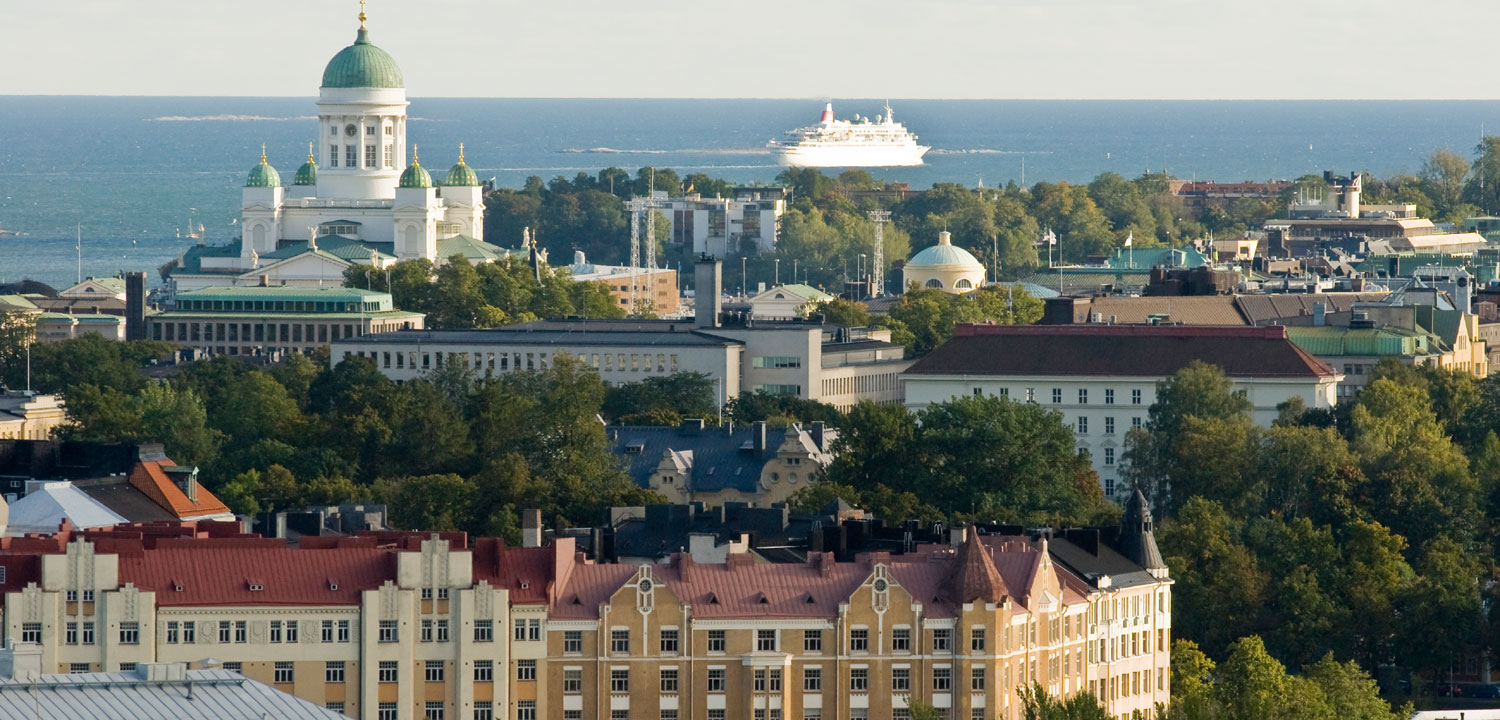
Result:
{"points": [[827, 114]]}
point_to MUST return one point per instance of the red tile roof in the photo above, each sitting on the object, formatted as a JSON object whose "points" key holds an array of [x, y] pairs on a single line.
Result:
{"points": [[1118, 350], [151, 479], [221, 572]]}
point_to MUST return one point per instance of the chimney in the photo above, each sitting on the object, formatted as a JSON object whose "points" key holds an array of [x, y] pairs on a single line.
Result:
{"points": [[708, 297], [531, 527], [816, 430], [758, 432], [135, 306], [692, 426], [265, 281]]}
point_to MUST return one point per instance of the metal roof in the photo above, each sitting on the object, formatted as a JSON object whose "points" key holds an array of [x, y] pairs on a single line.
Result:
{"points": [[205, 694]]}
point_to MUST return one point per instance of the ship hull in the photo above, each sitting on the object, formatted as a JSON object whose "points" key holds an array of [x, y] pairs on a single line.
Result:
{"points": [[848, 156]]}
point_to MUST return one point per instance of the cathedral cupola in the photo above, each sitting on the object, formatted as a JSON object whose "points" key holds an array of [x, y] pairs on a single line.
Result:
{"points": [[263, 175], [415, 175]]}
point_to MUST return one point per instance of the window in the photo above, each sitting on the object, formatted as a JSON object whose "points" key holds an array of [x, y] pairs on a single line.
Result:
{"points": [[226, 630], [669, 680], [351, 156], [433, 671], [88, 633], [275, 630], [388, 631], [901, 639], [777, 362], [1030, 394], [526, 670], [484, 670], [716, 641], [812, 641], [72, 595], [619, 642], [333, 671], [765, 640], [812, 679], [526, 710], [716, 714], [189, 633], [668, 715], [337, 707], [370, 155], [233, 666], [1109, 425], [1135, 422], [484, 631], [442, 630], [1109, 456], [1135, 396], [1109, 396], [669, 640], [859, 679], [78, 668], [942, 640], [130, 633], [333, 160], [1083, 396], [433, 710], [859, 640], [572, 680], [901, 679], [70, 635], [285, 672], [573, 641], [343, 631], [942, 679], [387, 672], [976, 679], [716, 680], [1083, 425], [241, 631], [426, 631], [390, 153], [328, 630], [386, 711], [619, 680], [31, 632], [976, 639], [775, 681], [1056, 396]]}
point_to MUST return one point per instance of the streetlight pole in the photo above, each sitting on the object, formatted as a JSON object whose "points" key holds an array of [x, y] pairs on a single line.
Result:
{"points": [[744, 281], [777, 276]]}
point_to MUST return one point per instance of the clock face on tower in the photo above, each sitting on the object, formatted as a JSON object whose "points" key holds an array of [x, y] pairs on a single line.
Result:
{"points": [[350, 130]]}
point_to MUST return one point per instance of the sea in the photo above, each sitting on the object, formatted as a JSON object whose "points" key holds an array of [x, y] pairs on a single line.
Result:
{"points": [[129, 174]]}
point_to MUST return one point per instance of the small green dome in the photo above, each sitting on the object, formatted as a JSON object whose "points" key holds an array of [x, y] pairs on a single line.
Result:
{"points": [[307, 174], [362, 65], [460, 175], [263, 175], [415, 176]]}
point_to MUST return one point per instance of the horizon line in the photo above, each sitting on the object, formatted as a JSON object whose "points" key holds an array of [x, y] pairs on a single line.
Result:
{"points": [[811, 98]]}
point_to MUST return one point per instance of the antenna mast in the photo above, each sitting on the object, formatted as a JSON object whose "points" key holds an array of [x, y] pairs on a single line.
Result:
{"points": [[877, 261], [79, 247], [635, 247], [651, 222]]}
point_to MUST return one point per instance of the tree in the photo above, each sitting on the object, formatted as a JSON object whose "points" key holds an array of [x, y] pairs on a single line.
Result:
{"points": [[685, 394], [1213, 569], [1483, 186], [17, 333], [429, 502], [1442, 179], [779, 410], [1153, 454], [1038, 704], [839, 311], [927, 316]]}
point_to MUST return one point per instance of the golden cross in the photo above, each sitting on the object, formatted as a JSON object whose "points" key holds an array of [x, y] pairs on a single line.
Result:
{"points": [[460, 152], [263, 153], [414, 160], [361, 13]]}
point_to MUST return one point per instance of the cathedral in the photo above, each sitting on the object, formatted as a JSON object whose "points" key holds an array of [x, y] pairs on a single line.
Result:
{"points": [[357, 199]]}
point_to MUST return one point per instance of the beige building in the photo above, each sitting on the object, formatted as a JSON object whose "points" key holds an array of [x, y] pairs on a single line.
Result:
{"points": [[637, 290], [27, 416], [944, 267]]}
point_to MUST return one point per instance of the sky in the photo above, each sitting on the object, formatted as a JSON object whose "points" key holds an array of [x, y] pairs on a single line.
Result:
{"points": [[1042, 49]]}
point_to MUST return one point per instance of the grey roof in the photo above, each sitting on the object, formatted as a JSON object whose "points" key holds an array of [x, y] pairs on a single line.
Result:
{"points": [[206, 694], [723, 458], [117, 494], [46, 506]]}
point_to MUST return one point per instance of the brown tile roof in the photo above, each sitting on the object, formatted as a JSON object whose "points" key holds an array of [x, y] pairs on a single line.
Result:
{"points": [[1193, 310], [973, 575], [1118, 350]]}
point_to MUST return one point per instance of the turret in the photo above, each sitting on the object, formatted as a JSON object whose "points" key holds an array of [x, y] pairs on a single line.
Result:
{"points": [[463, 198], [260, 208], [415, 214], [1137, 536]]}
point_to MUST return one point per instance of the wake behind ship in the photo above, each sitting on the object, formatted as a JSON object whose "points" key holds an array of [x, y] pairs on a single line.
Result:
{"points": [[860, 142]]}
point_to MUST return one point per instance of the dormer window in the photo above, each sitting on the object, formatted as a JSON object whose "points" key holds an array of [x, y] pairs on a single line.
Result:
{"points": [[256, 587]]}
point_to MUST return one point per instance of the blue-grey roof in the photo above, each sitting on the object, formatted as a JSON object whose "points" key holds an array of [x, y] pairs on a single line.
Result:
{"points": [[46, 506], [215, 695], [722, 458]]}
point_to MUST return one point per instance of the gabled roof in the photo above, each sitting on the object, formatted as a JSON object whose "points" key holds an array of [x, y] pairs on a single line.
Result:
{"points": [[793, 291], [150, 477], [472, 249], [45, 507], [219, 572], [1152, 351]]}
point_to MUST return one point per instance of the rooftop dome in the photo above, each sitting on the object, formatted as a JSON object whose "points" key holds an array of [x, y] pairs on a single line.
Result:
{"points": [[362, 65], [415, 176], [460, 175], [944, 254], [308, 173], [263, 175]]}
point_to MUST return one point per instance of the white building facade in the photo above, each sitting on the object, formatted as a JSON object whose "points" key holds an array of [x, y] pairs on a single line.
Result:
{"points": [[1102, 379]]}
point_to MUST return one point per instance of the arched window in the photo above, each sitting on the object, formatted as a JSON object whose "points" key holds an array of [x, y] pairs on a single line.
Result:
{"points": [[935, 283], [963, 284]]}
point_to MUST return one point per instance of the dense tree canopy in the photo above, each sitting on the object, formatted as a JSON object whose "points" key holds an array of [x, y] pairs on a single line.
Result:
{"points": [[459, 295]]}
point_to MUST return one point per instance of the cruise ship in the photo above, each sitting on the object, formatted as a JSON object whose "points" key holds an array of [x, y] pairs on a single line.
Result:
{"points": [[860, 142]]}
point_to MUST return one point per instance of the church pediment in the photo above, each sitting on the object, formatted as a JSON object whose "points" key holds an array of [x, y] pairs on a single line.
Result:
{"points": [[303, 265]]}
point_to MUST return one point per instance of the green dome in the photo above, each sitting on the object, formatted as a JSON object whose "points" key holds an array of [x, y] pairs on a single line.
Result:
{"points": [[263, 175], [415, 176], [362, 65], [307, 174], [460, 175]]}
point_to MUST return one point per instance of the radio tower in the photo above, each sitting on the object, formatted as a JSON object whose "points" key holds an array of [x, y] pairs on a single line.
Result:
{"points": [[651, 222], [635, 248], [877, 262]]}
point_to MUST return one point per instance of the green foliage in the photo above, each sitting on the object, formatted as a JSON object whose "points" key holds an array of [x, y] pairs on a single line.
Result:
{"points": [[983, 457], [779, 410], [17, 333], [92, 359], [1038, 704], [924, 318], [1251, 685], [683, 395], [460, 295], [848, 313]]}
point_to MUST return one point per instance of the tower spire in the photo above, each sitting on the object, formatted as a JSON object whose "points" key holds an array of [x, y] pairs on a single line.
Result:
{"points": [[414, 159], [309, 151], [263, 153], [460, 152], [362, 16]]}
